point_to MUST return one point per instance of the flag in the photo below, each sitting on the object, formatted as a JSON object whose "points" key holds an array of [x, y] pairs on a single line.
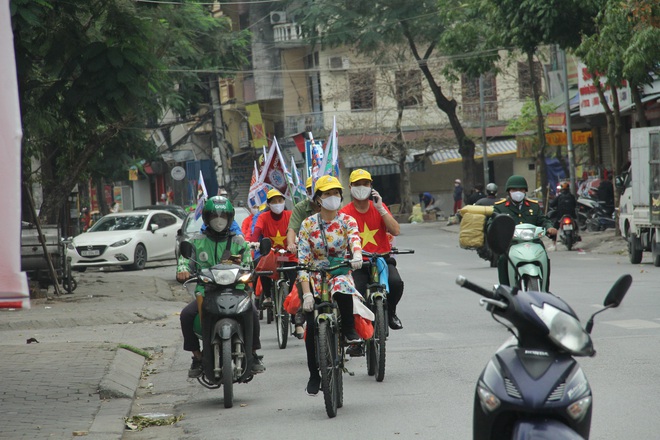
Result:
{"points": [[274, 169], [201, 195], [330, 164], [299, 192], [317, 159]]}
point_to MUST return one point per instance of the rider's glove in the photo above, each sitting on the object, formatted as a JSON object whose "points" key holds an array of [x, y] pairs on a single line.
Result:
{"points": [[308, 302], [356, 262]]}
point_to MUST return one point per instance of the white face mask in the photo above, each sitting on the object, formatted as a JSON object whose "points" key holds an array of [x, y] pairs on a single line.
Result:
{"points": [[360, 192], [254, 211], [277, 208], [331, 203], [517, 196], [218, 224]]}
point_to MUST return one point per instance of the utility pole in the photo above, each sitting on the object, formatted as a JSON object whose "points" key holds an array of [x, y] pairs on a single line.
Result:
{"points": [[220, 154], [569, 131], [483, 128]]}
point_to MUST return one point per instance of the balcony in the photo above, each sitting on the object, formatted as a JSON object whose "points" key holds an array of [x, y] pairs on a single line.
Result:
{"points": [[306, 122], [288, 35]]}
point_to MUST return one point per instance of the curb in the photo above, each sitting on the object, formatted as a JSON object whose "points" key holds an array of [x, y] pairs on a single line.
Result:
{"points": [[117, 391]]}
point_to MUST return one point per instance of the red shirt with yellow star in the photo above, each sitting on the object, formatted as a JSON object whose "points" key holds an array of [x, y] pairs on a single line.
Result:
{"points": [[273, 227], [372, 228]]}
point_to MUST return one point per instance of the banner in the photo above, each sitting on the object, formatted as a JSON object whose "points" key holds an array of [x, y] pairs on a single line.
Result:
{"points": [[256, 126], [330, 164], [201, 195]]}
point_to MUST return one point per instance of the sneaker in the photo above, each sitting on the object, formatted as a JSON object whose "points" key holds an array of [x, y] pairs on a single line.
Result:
{"points": [[552, 247], [195, 368], [300, 332], [257, 365], [313, 385], [394, 322], [267, 302], [352, 337], [355, 350]]}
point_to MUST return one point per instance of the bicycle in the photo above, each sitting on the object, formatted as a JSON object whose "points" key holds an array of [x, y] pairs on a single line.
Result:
{"points": [[279, 290], [330, 349], [376, 299]]}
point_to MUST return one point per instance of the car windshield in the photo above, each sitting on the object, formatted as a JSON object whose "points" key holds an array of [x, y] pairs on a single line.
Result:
{"points": [[122, 223]]}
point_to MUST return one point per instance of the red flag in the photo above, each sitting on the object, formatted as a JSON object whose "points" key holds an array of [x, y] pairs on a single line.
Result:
{"points": [[273, 171]]}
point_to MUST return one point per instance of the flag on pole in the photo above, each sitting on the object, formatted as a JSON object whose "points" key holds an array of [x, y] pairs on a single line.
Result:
{"points": [[317, 159], [299, 192], [330, 164], [201, 195]]}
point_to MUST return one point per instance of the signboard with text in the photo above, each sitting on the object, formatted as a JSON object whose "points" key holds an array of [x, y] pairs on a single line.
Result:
{"points": [[590, 101]]}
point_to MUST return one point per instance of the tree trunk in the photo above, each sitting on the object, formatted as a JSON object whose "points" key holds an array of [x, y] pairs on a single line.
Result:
{"points": [[639, 106], [540, 129], [404, 172]]}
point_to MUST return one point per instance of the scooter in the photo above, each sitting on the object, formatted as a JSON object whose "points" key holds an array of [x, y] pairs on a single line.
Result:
{"points": [[224, 324], [568, 231], [533, 388], [527, 262], [601, 218]]}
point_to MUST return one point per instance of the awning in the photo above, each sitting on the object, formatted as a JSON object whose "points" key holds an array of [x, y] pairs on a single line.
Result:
{"points": [[645, 99], [375, 165], [574, 99], [495, 148]]}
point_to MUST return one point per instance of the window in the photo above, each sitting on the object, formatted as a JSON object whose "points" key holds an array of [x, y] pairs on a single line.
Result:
{"points": [[525, 80], [362, 90], [470, 93], [409, 88]]}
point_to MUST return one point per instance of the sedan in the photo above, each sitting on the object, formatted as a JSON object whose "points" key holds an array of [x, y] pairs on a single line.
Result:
{"points": [[126, 239], [191, 226], [174, 209]]}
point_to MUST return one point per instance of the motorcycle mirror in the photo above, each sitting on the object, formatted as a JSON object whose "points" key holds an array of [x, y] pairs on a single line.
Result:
{"points": [[500, 233], [618, 291], [265, 246], [186, 249]]}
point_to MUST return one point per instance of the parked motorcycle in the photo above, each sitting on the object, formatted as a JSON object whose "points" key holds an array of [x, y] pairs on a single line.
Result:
{"points": [[568, 231], [533, 387], [224, 324], [527, 261], [601, 218]]}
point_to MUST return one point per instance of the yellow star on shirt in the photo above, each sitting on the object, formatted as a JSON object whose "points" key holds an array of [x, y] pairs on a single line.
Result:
{"points": [[278, 240], [368, 236]]}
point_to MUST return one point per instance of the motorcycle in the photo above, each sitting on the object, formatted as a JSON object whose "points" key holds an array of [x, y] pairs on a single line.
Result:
{"points": [[601, 218], [533, 387], [527, 261], [224, 324], [568, 231]]}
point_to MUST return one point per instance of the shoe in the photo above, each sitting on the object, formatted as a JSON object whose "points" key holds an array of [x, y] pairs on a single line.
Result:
{"points": [[313, 385], [299, 332], [355, 350], [552, 247], [394, 322], [257, 365], [195, 368], [267, 302], [352, 337]]}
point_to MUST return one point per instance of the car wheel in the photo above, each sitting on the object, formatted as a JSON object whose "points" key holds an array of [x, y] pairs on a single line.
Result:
{"points": [[140, 258]]}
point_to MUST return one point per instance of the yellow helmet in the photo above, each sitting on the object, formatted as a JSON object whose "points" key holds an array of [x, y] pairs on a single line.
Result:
{"points": [[359, 174], [273, 193], [308, 183], [326, 183]]}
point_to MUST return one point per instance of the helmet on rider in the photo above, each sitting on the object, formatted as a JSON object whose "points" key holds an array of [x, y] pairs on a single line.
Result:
{"points": [[218, 214], [516, 182], [565, 186], [491, 189]]}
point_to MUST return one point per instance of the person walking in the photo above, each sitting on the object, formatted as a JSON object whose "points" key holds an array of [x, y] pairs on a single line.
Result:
{"points": [[458, 195]]}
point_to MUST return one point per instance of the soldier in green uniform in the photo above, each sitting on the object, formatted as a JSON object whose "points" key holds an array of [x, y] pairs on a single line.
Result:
{"points": [[523, 210]]}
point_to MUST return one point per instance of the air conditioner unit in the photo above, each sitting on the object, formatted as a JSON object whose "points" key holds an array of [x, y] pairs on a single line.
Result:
{"points": [[277, 17], [338, 63], [158, 137]]}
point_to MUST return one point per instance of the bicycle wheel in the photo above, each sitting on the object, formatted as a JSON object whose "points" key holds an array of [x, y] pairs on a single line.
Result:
{"points": [[380, 336], [227, 374], [281, 315], [327, 348]]}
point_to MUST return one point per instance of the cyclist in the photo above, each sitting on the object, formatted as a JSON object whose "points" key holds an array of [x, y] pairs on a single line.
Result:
{"points": [[273, 224], [217, 243], [301, 211], [374, 222], [323, 236]]}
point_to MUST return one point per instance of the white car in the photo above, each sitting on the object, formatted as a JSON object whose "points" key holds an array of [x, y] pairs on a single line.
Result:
{"points": [[126, 239]]}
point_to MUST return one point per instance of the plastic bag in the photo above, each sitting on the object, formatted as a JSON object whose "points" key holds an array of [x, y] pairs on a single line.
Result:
{"points": [[363, 327], [268, 263], [292, 301]]}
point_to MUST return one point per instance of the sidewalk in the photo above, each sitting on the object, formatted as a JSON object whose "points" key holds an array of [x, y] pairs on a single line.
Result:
{"points": [[75, 381]]}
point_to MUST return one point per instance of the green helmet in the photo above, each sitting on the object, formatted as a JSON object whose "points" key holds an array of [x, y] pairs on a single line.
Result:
{"points": [[516, 182], [218, 213]]}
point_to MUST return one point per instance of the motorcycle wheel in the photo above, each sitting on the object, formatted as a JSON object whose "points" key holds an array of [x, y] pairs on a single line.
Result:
{"points": [[634, 249], [327, 346], [530, 283], [227, 373], [380, 336], [568, 241], [592, 225], [281, 316], [655, 252]]}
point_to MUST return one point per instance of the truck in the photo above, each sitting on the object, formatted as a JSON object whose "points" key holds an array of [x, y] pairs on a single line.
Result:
{"points": [[639, 204]]}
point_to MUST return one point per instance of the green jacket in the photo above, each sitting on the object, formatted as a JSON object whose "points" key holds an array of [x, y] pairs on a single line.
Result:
{"points": [[300, 212], [528, 211]]}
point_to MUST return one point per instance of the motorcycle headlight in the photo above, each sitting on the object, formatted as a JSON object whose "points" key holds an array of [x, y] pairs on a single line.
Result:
{"points": [[245, 277], [224, 277], [489, 401], [524, 234], [564, 330], [578, 409], [121, 242]]}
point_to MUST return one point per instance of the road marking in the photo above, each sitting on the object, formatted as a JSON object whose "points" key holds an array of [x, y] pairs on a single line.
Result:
{"points": [[634, 324]]}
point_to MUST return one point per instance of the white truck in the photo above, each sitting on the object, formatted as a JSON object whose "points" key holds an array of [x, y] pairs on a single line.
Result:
{"points": [[639, 206]]}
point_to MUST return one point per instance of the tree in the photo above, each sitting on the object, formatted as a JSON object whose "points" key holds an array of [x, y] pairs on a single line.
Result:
{"points": [[94, 74], [529, 24], [374, 28]]}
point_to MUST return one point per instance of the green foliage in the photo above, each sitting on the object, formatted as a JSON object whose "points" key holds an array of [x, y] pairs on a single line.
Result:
{"points": [[526, 122]]}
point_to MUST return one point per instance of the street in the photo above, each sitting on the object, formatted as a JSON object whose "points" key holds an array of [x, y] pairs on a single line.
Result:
{"points": [[432, 364]]}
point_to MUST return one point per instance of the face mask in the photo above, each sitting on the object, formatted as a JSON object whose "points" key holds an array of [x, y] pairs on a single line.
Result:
{"points": [[517, 196], [331, 203], [360, 192], [277, 208], [218, 224], [254, 211]]}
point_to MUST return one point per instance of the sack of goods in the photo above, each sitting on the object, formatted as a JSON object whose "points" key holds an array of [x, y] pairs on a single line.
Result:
{"points": [[473, 221]]}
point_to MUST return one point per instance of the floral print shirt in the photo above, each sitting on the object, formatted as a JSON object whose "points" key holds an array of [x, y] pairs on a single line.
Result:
{"points": [[343, 238]]}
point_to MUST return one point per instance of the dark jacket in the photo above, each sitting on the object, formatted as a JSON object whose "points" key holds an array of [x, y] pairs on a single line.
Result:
{"points": [[527, 211]]}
